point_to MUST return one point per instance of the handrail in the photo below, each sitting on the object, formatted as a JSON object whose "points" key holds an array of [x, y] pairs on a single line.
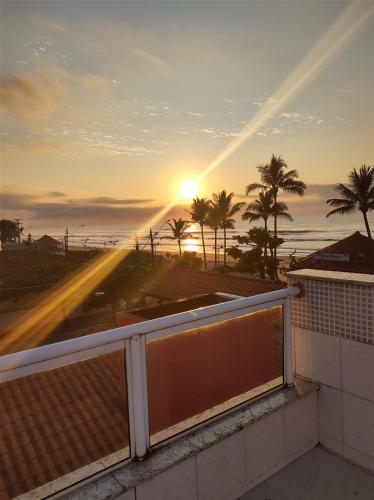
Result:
{"points": [[133, 339], [35, 355]]}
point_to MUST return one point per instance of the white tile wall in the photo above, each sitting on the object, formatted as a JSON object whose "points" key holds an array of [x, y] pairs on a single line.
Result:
{"points": [[301, 426], [178, 483], [330, 417], [264, 445], [318, 357], [221, 469], [358, 426], [358, 369]]}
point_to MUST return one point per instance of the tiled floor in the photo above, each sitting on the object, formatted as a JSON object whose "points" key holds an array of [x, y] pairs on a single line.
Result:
{"points": [[318, 475]]}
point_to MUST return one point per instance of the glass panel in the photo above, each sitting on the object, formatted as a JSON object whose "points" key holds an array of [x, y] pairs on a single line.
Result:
{"points": [[61, 420], [202, 372]]}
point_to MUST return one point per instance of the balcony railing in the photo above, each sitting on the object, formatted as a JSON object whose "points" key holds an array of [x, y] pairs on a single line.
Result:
{"points": [[113, 395]]}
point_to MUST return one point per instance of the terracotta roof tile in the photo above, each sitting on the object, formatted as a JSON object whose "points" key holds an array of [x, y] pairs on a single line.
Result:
{"points": [[355, 247], [59, 421], [186, 283]]}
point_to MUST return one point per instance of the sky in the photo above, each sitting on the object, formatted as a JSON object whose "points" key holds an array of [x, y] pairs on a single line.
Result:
{"points": [[107, 106]]}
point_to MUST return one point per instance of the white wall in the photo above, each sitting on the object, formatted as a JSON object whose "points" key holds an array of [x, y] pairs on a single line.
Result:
{"points": [[237, 464], [340, 356]]}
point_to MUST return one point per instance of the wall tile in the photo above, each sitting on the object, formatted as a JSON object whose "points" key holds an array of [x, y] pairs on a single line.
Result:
{"points": [[330, 418], [221, 469], [264, 445], [301, 426], [358, 427], [337, 308], [318, 357], [358, 369], [178, 483]]}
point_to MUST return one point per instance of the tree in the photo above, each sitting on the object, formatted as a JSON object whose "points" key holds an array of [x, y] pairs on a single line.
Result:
{"points": [[199, 214], [227, 209], [214, 222], [179, 229], [358, 195], [263, 208], [274, 177], [256, 260], [10, 231]]}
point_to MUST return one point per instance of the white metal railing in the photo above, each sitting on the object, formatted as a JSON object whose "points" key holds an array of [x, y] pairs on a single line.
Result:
{"points": [[133, 338]]}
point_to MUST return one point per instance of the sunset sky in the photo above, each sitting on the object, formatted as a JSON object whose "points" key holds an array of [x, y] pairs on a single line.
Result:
{"points": [[108, 106]]}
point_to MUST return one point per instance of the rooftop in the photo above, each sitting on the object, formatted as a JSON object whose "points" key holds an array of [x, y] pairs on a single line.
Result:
{"points": [[186, 283], [352, 254]]}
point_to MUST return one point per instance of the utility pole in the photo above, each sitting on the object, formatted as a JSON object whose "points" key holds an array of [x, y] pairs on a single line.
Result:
{"points": [[137, 248], [66, 241], [152, 244]]}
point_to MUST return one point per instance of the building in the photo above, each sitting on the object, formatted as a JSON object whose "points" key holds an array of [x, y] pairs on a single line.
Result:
{"points": [[184, 393], [354, 254], [183, 283], [47, 244]]}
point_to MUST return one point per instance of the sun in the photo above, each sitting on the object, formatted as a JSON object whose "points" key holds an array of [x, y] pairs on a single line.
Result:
{"points": [[188, 189]]}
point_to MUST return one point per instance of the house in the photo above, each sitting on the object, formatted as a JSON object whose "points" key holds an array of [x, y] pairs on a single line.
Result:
{"points": [[354, 254], [183, 283], [47, 244]]}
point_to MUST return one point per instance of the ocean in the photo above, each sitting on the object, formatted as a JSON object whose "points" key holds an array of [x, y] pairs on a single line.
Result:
{"points": [[304, 235]]}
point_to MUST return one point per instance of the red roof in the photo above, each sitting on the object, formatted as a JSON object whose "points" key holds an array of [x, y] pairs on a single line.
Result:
{"points": [[186, 283], [354, 250], [55, 422]]}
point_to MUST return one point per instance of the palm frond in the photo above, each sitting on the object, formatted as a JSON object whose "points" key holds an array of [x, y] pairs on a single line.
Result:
{"points": [[343, 210], [254, 187]]}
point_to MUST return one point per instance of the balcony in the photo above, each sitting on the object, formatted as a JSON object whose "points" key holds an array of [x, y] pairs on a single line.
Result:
{"points": [[205, 398]]}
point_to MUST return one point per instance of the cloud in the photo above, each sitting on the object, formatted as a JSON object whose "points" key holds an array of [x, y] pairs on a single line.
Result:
{"points": [[91, 213], [30, 97], [107, 200], [303, 119], [38, 147], [147, 56], [89, 210], [91, 81], [57, 194], [11, 200]]}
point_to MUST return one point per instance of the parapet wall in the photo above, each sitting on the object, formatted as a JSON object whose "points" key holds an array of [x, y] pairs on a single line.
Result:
{"points": [[334, 346]]}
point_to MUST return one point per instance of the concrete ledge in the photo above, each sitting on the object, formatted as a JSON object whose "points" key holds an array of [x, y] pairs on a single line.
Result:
{"points": [[131, 475], [316, 274]]}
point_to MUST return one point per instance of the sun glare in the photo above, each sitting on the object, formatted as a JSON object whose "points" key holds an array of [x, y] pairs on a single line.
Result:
{"points": [[188, 189]]}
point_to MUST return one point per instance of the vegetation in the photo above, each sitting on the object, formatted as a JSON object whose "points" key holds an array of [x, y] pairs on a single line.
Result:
{"points": [[200, 209], [179, 230], [226, 210], [214, 222], [274, 178], [10, 231], [263, 208], [357, 195], [256, 259]]}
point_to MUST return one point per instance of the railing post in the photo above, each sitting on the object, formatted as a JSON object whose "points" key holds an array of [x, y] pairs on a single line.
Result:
{"points": [[139, 397], [288, 345]]}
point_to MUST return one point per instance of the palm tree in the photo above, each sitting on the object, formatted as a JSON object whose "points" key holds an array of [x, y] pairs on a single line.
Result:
{"points": [[358, 195], [260, 209], [199, 214], [179, 229], [274, 177], [214, 222], [263, 208], [227, 210]]}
